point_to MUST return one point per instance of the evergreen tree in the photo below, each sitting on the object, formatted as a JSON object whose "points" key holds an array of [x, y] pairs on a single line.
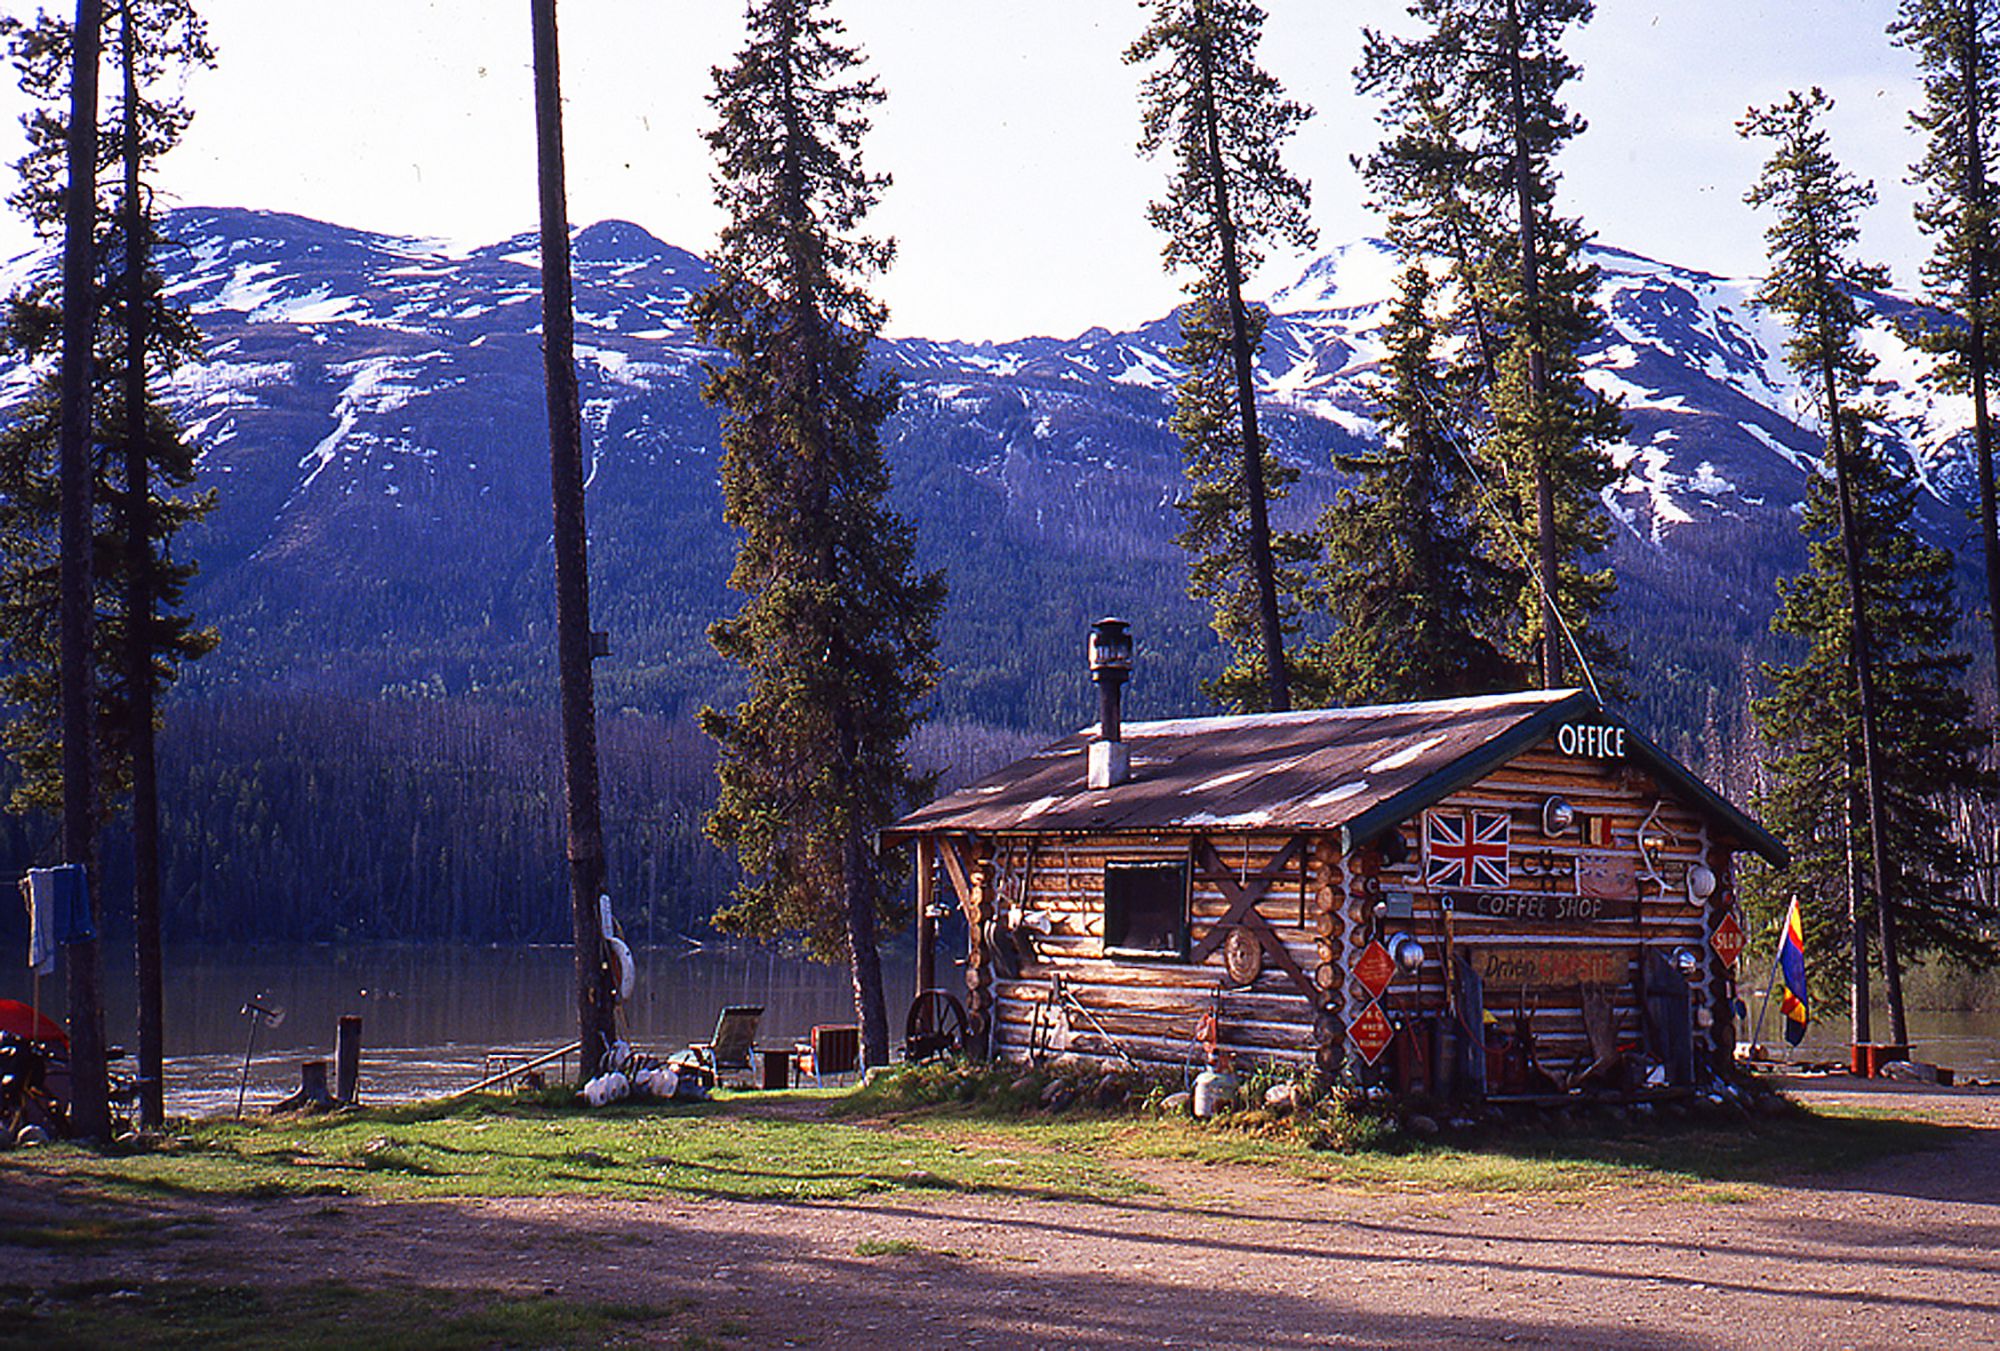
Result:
{"points": [[1216, 531], [1224, 121], [1402, 572], [838, 631], [1475, 119], [1812, 722], [1957, 46], [1812, 283], [141, 464]]}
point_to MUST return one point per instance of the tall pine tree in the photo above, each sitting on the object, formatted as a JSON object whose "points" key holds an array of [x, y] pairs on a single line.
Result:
{"points": [[1402, 572], [1224, 121], [1475, 119], [838, 631], [1217, 532], [1957, 46], [1812, 284], [143, 466], [1811, 719]]}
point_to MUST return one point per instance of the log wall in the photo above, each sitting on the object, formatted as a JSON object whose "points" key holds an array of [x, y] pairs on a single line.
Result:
{"points": [[1151, 1010], [1069, 998], [1613, 802]]}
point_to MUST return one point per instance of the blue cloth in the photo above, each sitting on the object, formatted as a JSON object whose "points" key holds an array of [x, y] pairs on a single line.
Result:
{"points": [[69, 895]]}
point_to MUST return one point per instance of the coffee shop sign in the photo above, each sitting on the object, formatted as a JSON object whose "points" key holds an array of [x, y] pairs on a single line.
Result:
{"points": [[1591, 741]]}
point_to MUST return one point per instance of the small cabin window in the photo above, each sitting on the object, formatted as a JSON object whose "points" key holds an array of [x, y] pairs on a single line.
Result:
{"points": [[1146, 910]]}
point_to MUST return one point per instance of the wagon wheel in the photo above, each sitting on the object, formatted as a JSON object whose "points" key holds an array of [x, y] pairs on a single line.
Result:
{"points": [[936, 1025]]}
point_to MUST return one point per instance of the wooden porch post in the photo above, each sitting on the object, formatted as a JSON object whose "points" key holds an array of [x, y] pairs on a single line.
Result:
{"points": [[1329, 1029], [926, 926]]}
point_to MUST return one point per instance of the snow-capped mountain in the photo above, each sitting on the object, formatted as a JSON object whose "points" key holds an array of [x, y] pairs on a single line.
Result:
{"points": [[371, 411]]}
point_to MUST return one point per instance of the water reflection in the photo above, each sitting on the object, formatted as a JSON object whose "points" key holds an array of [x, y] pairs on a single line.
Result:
{"points": [[430, 1015], [1968, 1043]]}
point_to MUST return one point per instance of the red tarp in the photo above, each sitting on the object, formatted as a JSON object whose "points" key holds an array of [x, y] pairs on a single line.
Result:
{"points": [[23, 1021]]}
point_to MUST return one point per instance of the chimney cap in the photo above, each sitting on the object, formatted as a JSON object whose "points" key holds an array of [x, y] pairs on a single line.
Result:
{"points": [[1110, 649]]}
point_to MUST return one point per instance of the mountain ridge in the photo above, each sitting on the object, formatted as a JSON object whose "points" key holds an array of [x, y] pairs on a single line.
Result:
{"points": [[370, 407]]}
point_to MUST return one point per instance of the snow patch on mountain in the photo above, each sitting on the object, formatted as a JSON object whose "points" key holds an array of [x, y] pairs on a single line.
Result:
{"points": [[341, 358]]}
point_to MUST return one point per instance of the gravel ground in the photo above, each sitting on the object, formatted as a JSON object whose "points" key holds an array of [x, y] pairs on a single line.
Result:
{"points": [[1901, 1254]]}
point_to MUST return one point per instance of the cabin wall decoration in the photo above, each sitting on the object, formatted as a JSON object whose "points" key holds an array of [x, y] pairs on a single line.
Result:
{"points": [[1513, 897]]}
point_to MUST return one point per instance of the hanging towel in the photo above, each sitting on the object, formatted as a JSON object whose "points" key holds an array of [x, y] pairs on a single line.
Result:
{"points": [[69, 901], [39, 895]]}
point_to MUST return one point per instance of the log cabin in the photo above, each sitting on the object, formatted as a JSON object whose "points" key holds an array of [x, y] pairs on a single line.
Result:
{"points": [[1515, 896]]}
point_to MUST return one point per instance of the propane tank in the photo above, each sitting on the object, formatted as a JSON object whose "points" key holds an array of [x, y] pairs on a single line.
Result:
{"points": [[1213, 1090]]}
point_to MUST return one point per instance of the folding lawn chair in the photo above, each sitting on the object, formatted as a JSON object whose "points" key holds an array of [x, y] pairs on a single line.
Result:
{"points": [[727, 1053], [834, 1050]]}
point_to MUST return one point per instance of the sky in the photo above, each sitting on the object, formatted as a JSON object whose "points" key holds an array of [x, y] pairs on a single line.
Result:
{"points": [[1010, 130]]}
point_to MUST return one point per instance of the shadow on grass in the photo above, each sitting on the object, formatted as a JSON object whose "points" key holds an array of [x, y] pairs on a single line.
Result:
{"points": [[727, 1152], [1799, 1144], [332, 1314], [1542, 1154], [734, 1152], [208, 1188], [1292, 1277], [99, 1233]]}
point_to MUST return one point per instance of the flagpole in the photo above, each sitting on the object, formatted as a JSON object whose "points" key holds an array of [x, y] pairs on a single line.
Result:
{"points": [[1770, 984]]}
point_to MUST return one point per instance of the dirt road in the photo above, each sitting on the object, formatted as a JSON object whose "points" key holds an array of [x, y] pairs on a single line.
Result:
{"points": [[1905, 1254]]}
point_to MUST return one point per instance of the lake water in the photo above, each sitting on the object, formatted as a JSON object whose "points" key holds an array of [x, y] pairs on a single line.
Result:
{"points": [[1966, 1042], [433, 1017]]}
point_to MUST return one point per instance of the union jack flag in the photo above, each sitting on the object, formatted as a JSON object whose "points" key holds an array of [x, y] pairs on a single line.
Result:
{"points": [[1452, 858]]}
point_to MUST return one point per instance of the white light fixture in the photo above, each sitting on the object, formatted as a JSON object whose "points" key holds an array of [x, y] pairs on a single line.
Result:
{"points": [[1407, 952], [1557, 816], [1688, 962], [1700, 883]]}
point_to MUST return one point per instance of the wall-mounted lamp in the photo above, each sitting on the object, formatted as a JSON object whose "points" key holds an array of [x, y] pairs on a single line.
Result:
{"points": [[1407, 953], [1557, 816], [1700, 883], [1688, 962]]}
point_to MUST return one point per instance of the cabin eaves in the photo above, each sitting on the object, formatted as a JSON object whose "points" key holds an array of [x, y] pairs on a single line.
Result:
{"points": [[1357, 771]]}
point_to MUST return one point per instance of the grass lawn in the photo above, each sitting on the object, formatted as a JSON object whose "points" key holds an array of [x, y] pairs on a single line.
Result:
{"points": [[833, 1145], [496, 1146]]}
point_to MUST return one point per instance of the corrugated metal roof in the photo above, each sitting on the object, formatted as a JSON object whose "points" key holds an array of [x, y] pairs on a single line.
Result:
{"points": [[1357, 770]]}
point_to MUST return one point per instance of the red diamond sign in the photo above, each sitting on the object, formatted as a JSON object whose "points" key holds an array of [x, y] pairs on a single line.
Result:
{"points": [[1371, 1033], [1374, 968], [1728, 939]]}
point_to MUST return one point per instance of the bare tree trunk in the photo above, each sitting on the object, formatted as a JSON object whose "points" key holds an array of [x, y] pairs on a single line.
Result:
{"points": [[90, 1108], [139, 614], [1859, 1013], [596, 1023], [864, 951], [1861, 654], [1270, 629]]}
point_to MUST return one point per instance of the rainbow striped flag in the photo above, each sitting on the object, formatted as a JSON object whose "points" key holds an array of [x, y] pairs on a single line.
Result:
{"points": [[1792, 967]]}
